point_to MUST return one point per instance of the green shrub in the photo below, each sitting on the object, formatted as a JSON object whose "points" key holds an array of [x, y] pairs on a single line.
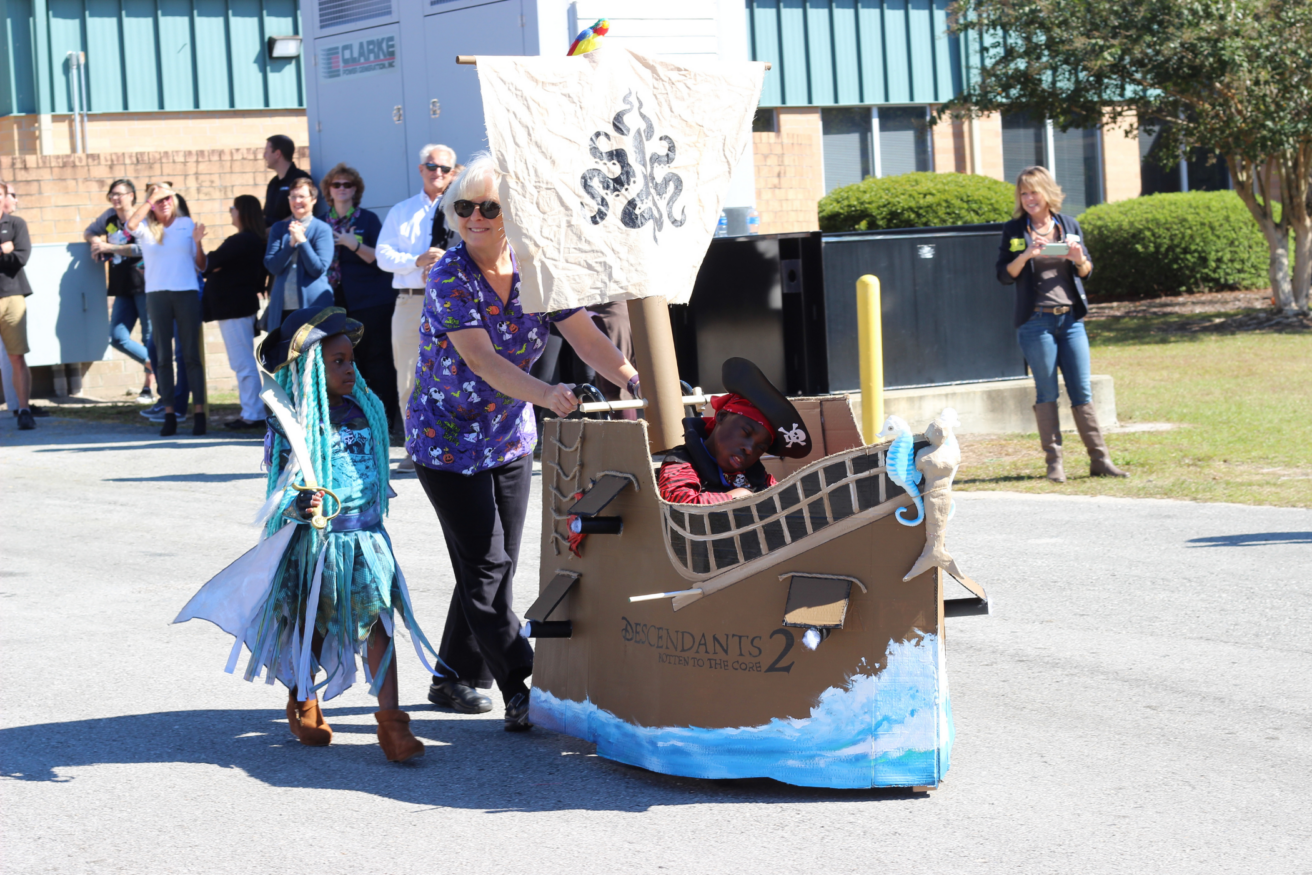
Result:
{"points": [[1170, 244], [917, 200]]}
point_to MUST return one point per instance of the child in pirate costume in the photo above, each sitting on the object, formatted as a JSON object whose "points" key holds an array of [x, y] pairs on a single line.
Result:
{"points": [[720, 459], [322, 584]]}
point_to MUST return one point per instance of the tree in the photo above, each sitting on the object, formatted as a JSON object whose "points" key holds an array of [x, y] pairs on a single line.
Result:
{"points": [[1233, 76]]}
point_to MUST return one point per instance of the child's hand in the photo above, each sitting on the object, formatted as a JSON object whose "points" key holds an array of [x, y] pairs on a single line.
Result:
{"points": [[308, 502]]}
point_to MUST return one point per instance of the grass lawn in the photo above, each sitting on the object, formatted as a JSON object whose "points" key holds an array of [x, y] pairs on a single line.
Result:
{"points": [[1242, 403]]}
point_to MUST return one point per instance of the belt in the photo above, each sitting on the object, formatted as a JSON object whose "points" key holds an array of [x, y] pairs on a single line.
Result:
{"points": [[412, 291], [1056, 311]]}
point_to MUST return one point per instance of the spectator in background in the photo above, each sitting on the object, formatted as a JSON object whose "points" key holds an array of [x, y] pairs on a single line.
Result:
{"points": [[360, 285], [1049, 313], [172, 296], [111, 241], [298, 254], [15, 249], [406, 251], [234, 280], [278, 152]]}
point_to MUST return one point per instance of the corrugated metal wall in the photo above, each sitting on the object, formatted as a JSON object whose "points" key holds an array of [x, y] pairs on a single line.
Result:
{"points": [[856, 52], [148, 55]]}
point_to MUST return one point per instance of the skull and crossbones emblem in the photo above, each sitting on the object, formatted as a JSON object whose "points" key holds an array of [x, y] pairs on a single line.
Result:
{"points": [[793, 435]]}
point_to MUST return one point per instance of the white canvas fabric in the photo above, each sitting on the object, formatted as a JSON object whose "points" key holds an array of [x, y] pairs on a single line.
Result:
{"points": [[616, 168]]}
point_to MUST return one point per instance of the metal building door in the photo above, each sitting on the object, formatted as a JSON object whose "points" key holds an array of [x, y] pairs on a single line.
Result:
{"points": [[360, 112], [455, 103]]}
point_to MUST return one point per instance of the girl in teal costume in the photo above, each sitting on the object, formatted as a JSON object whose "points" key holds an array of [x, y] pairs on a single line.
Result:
{"points": [[337, 586]]}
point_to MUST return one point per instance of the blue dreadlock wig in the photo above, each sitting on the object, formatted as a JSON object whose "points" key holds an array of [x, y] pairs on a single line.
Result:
{"points": [[305, 382]]}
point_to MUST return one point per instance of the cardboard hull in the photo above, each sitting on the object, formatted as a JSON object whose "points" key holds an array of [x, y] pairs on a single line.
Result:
{"points": [[722, 688]]}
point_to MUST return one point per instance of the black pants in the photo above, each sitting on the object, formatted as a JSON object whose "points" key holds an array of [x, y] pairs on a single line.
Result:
{"points": [[482, 518], [183, 309], [373, 356]]}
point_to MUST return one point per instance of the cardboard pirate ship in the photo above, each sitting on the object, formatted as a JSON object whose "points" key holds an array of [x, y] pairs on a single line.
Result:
{"points": [[777, 635]]}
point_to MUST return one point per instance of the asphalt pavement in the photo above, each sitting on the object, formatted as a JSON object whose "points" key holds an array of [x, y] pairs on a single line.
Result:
{"points": [[1139, 701]]}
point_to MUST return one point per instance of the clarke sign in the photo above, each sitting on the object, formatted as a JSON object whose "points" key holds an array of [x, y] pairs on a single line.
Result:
{"points": [[357, 58]]}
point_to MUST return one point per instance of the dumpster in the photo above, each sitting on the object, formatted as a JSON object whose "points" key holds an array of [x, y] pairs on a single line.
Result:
{"points": [[788, 303]]}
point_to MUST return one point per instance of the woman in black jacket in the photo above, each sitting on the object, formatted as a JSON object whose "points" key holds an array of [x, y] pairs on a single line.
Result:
{"points": [[1050, 308], [234, 279]]}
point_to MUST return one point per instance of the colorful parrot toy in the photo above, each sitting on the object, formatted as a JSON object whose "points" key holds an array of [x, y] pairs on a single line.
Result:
{"points": [[590, 38]]}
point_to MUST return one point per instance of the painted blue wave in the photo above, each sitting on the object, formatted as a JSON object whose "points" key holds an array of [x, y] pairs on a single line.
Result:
{"points": [[891, 729]]}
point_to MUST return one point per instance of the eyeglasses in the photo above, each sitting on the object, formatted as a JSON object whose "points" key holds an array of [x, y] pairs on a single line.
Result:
{"points": [[350, 185], [434, 167], [489, 209], [114, 194]]}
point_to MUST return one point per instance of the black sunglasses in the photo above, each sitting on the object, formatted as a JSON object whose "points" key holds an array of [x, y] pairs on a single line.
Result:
{"points": [[489, 209], [442, 167]]}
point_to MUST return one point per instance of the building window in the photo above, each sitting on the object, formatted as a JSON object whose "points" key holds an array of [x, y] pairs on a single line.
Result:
{"points": [[1203, 170], [874, 141], [903, 140], [1073, 156], [846, 133], [765, 122]]}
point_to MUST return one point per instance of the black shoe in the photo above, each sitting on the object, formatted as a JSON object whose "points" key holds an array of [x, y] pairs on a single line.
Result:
{"points": [[517, 714], [243, 425], [459, 697], [170, 425], [25, 420], [198, 425]]}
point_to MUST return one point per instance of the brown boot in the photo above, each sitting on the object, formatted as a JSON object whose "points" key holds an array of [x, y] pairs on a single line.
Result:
{"points": [[1050, 437], [1100, 461], [307, 723], [394, 734]]}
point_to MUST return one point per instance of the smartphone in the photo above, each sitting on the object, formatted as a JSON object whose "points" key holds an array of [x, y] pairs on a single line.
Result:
{"points": [[1054, 250]]}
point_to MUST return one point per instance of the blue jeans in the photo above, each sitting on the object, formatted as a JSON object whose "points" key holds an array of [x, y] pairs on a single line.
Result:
{"points": [[1048, 342], [123, 318]]}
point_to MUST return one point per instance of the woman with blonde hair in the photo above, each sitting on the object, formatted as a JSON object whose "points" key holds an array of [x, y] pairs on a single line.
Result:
{"points": [[168, 254], [1043, 255]]}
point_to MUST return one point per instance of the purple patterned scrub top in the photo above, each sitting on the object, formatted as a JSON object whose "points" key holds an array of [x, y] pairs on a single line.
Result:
{"points": [[455, 421]]}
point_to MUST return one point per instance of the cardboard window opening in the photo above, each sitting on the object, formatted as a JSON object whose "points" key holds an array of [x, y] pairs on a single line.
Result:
{"points": [[818, 601]]}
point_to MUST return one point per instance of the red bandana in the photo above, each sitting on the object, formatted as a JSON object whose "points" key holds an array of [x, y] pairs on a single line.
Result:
{"points": [[732, 403]]}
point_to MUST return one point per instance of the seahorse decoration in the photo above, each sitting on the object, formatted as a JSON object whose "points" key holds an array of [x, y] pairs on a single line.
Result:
{"points": [[938, 464], [901, 465]]}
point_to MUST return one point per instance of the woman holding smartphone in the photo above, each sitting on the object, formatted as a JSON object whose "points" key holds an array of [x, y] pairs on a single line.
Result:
{"points": [[1043, 255]]}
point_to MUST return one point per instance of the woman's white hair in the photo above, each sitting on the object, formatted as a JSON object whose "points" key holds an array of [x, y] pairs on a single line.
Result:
{"points": [[470, 182]]}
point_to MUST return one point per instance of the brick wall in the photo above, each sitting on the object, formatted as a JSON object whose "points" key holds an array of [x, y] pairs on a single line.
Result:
{"points": [[951, 142], [150, 131], [59, 195], [1120, 162], [789, 166]]}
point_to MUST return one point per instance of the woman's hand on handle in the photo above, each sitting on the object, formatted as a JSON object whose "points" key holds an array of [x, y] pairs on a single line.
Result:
{"points": [[559, 399], [308, 502]]}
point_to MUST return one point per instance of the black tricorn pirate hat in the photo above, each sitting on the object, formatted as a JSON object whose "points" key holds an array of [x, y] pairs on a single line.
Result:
{"points": [[791, 437], [301, 330]]}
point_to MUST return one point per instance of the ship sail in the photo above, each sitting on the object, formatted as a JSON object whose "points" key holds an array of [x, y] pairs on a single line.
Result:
{"points": [[616, 166]]}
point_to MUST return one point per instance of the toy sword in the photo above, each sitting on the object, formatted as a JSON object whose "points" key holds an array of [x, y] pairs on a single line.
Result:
{"points": [[276, 398]]}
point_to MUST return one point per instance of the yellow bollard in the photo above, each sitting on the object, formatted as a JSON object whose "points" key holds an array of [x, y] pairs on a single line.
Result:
{"points": [[870, 332]]}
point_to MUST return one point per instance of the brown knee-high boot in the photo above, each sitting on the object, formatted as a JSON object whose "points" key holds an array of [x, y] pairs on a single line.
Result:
{"points": [[1100, 461], [395, 737], [1050, 437], [307, 723]]}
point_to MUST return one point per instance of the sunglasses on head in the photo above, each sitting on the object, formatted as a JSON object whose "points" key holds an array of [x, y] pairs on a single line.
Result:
{"points": [[489, 209], [442, 167]]}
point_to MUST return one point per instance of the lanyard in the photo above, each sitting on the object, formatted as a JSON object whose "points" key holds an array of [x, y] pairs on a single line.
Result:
{"points": [[1056, 223]]}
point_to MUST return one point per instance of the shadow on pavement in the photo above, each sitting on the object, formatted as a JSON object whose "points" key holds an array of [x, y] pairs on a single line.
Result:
{"points": [[1255, 540], [189, 478], [470, 763]]}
